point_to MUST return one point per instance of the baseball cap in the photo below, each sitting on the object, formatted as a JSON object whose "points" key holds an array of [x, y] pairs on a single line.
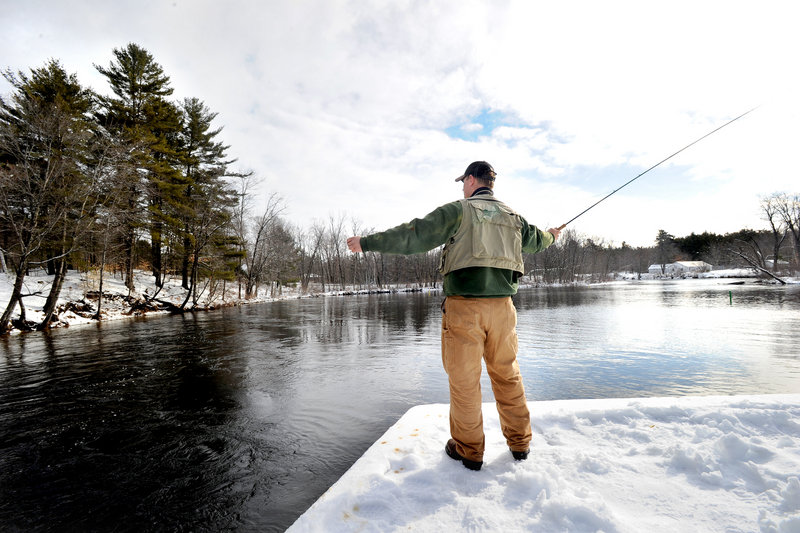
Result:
{"points": [[480, 169]]}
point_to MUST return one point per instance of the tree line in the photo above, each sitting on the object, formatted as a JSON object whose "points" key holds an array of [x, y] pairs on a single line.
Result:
{"points": [[771, 251], [136, 181], [112, 182]]}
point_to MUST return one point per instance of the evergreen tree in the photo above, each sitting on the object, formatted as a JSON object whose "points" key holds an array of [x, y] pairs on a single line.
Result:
{"points": [[165, 180], [45, 193], [137, 80], [204, 191], [143, 118], [697, 246], [665, 249]]}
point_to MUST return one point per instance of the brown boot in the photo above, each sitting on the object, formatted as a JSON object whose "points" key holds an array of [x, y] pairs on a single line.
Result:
{"points": [[450, 450], [520, 456]]}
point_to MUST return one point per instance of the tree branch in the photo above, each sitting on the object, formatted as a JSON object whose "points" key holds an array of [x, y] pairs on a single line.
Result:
{"points": [[756, 267]]}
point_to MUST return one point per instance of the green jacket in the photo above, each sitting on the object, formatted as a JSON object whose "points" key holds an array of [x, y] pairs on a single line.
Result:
{"points": [[424, 234]]}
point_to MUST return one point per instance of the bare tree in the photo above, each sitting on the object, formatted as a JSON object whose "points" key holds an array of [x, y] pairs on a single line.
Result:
{"points": [[113, 166], [74, 225], [334, 250], [281, 256], [240, 220], [788, 206], [257, 239], [747, 245], [772, 215], [752, 257], [42, 138], [309, 244]]}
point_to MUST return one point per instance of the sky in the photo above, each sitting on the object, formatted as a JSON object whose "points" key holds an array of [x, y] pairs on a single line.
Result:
{"points": [[366, 111]]}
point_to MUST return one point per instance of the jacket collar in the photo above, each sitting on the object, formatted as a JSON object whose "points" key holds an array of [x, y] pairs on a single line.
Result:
{"points": [[482, 191]]}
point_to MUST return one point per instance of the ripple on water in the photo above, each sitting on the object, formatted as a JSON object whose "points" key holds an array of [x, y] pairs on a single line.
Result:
{"points": [[241, 418]]}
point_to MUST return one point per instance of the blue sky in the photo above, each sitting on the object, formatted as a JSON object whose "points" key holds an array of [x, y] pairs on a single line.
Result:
{"points": [[368, 110], [482, 124]]}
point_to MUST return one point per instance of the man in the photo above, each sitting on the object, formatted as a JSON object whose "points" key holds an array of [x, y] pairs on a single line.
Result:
{"points": [[481, 264]]}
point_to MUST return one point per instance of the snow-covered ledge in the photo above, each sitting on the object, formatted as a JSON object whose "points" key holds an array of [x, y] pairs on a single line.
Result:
{"points": [[625, 465]]}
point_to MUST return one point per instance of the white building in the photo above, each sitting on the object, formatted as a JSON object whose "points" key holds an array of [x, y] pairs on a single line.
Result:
{"points": [[679, 268]]}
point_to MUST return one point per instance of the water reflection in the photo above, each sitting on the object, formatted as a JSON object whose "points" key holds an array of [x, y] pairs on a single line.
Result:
{"points": [[111, 428], [603, 341], [240, 419]]}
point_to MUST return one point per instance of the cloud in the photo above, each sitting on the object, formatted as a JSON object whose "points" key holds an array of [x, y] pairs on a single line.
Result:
{"points": [[472, 127], [372, 108]]}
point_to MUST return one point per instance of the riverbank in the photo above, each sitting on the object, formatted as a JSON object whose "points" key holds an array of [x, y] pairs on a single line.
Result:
{"points": [[78, 302]]}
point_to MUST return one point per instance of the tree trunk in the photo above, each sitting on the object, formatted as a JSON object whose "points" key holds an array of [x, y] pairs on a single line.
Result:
{"points": [[129, 245], [59, 273], [776, 249], [239, 278], [155, 247], [16, 298], [796, 246], [758, 267], [97, 315], [187, 246], [250, 288], [51, 264], [22, 317], [192, 281], [55, 291]]}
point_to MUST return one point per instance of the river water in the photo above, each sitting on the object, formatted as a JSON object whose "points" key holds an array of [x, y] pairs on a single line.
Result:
{"points": [[239, 419]]}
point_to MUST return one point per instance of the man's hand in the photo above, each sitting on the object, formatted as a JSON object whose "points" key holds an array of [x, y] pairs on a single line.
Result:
{"points": [[354, 244], [556, 232]]}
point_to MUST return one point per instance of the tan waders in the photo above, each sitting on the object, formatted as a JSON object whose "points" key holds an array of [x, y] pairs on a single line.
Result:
{"points": [[475, 329]]}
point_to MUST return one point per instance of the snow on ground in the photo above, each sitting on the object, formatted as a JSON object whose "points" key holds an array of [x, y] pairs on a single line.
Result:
{"points": [[116, 305], [729, 273], [77, 284], [694, 464]]}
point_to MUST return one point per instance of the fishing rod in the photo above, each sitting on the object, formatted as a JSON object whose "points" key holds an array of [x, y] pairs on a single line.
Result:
{"points": [[654, 166]]}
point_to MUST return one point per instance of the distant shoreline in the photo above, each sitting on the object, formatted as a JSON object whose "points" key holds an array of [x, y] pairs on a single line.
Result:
{"points": [[76, 308]]}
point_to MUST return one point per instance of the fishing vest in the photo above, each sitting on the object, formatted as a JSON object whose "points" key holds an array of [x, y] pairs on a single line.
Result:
{"points": [[490, 235]]}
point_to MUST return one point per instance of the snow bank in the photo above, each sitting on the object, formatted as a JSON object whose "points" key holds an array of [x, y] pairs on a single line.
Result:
{"points": [[657, 465], [74, 307]]}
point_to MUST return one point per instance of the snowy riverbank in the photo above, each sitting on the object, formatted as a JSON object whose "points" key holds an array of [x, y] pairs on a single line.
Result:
{"points": [[74, 307], [727, 464]]}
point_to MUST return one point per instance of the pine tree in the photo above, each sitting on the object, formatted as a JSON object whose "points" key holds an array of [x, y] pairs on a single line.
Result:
{"points": [[45, 193], [665, 249], [141, 116], [165, 181], [207, 200], [137, 80]]}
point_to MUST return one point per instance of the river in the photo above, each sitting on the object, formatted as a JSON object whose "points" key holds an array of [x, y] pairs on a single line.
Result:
{"points": [[238, 419]]}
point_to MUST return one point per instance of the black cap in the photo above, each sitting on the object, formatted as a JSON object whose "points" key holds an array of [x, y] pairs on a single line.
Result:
{"points": [[480, 169]]}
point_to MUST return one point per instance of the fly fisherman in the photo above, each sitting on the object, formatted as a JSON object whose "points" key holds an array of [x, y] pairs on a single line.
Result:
{"points": [[481, 264]]}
